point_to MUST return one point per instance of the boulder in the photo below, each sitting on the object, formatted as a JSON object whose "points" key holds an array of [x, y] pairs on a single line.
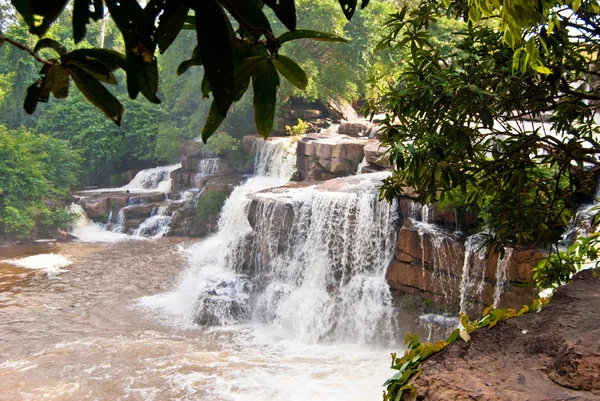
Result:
{"points": [[354, 128], [375, 153], [327, 155], [339, 109], [95, 207]]}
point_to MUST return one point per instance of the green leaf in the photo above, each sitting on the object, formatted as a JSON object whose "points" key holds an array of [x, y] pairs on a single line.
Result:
{"points": [[31, 99], [186, 64], [542, 70], [49, 73], [249, 11], [95, 68], [291, 71], [246, 68], [142, 76], [455, 335], [308, 34], [486, 118], [60, 90], [214, 41], [110, 58], [285, 10], [97, 94], [123, 12], [213, 121], [49, 9], [205, 86], [47, 43], [170, 24], [348, 7], [82, 14], [265, 82]]}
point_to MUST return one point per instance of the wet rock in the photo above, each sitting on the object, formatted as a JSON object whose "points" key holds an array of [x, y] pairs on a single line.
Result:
{"points": [[430, 262], [550, 355], [138, 211], [96, 207]]}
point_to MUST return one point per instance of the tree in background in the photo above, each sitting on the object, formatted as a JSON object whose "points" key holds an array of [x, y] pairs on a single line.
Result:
{"points": [[35, 171], [231, 56], [461, 124]]}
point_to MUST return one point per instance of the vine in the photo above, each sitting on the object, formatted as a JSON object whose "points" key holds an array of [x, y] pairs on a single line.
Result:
{"points": [[409, 366]]}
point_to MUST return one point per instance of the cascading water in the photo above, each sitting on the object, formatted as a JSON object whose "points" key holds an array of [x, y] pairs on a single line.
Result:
{"points": [[211, 283], [151, 180], [324, 279], [473, 278], [157, 225], [318, 273]]}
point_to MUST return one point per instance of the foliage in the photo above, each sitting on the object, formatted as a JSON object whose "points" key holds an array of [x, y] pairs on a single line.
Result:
{"points": [[409, 365], [297, 130], [33, 169], [458, 123], [222, 144], [210, 203], [231, 56], [561, 265]]}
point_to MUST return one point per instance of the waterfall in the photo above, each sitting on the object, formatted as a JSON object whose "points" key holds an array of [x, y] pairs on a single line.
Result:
{"points": [[151, 180], [88, 231], [325, 281], [473, 274], [312, 262], [502, 275], [157, 225]]}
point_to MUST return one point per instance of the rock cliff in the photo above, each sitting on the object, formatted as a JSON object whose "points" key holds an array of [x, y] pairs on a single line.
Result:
{"points": [[545, 356]]}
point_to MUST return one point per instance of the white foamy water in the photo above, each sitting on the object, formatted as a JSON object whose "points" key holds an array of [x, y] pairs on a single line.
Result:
{"points": [[87, 231], [49, 262], [313, 266], [156, 179]]}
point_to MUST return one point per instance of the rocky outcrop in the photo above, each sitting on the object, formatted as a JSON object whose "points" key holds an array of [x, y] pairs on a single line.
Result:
{"points": [[339, 109], [328, 155], [355, 128], [547, 356], [434, 264]]}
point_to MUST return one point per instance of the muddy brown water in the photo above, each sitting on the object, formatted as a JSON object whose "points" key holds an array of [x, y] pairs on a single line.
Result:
{"points": [[78, 335]]}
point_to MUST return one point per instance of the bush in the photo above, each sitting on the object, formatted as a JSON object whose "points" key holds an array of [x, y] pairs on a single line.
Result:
{"points": [[35, 169], [210, 203]]}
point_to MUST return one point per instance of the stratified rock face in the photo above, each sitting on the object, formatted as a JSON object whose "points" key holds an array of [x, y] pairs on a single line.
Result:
{"points": [[329, 155], [550, 355], [438, 265]]}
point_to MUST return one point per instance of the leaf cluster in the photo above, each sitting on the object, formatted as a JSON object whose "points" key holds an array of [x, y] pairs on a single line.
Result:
{"points": [[235, 45], [462, 126]]}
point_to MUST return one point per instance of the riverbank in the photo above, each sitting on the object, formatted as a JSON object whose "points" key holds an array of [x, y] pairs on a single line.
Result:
{"points": [[550, 355]]}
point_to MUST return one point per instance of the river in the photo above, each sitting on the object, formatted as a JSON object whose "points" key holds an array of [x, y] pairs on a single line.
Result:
{"points": [[82, 332]]}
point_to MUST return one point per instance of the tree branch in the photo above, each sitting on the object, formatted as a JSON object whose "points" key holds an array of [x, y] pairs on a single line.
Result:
{"points": [[26, 49]]}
